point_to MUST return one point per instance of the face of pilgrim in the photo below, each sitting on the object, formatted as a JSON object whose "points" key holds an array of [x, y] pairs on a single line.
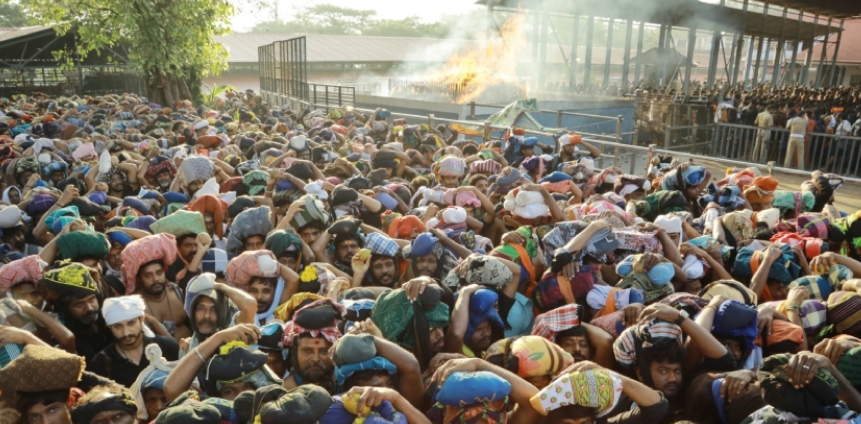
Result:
{"points": [[384, 271], [128, 333], [313, 359]]}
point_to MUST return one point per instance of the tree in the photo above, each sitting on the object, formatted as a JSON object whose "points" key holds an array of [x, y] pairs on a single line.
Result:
{"points": [[11, 16], [337, 20], [170, 42]]}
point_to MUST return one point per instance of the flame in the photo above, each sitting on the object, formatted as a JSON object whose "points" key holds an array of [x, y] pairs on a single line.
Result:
{"points": [[469, 73]]}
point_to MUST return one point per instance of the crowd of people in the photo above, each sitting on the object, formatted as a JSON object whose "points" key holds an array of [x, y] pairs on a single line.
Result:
{"points": [[247, 263]]}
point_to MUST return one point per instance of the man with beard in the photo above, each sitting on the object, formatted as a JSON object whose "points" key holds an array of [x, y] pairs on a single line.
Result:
{"points": [[347, 238], [654, 349], [121, 181], [118, 238], [193, 173], [124, 359], [414, 317], [570, 150], [159, 170], [310, 335], [383, 264], [145, 262], [584, 342], [428, 256], [207, 305], [192, 242], [475, 322], [76, 297], [268, 281], [14, 231]]}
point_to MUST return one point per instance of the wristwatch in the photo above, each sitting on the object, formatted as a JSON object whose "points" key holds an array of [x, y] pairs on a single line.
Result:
{"points": [[683, 315]]}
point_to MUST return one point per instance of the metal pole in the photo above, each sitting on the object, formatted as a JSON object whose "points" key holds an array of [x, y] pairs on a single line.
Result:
{"points": [[740, 46], [610, 24], [749, 65], [542, 50], [820, 70], [713, 56], [791, 75], [692, 40], [765, 61], [490, 26], [641, 32], [662, 40], [761, 45], [808, 61], [572, 78], [587, 71], [779, 52], [626, 55], [834, 55], [729, 69], [536, 27]]}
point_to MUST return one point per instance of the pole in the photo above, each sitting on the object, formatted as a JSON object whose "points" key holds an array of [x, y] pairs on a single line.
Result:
{"points": [[834, 55], [641, 33], [626, 55], [713, 57], [749, 65], [587, 71], [761, 45], [740, 46], [780, 50], [572, 78], [791, 75], [808, 61], [610, 24], [820, 70], [692, 40], [542, 50], [733, 52]]}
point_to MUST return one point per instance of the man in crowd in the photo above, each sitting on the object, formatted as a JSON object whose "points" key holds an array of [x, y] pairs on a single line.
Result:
{"points": [[405, 275]]}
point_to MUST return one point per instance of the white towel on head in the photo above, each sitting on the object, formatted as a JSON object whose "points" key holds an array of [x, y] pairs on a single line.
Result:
{"points": [[10, 216], [454, 215], [210, 187], [769, 216], [693, 267], [119, 309]]}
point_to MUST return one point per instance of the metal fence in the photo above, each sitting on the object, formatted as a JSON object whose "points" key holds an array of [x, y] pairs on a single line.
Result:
{"points": [[283, 67], [629, 157], [828, 152], [331, 94]]}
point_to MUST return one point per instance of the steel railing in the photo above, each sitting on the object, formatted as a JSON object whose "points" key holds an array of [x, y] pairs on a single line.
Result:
{"points": [[828, 152], [620, 155]]}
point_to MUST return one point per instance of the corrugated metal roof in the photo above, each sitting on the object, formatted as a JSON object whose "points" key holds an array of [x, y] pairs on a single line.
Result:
{"points": [[345, 48], [11, 33], [361, 49]]}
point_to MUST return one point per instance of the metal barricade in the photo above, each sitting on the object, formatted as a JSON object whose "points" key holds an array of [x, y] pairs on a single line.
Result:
{"points": [[828, 152], [729, 145]]}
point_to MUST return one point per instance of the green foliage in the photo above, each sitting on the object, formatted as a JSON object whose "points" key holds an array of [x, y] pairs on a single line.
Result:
{"points": [[337, 20], [210, 98], [164, 37], [12, 16]]}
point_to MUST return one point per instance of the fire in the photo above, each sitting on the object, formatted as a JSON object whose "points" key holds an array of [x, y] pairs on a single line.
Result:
{"points": [[471, 72]]}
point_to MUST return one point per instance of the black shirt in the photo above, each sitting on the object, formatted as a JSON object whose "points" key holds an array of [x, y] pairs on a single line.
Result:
{"points": [[110, 364]]}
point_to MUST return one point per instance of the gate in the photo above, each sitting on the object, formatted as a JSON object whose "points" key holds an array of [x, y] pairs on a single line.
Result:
{"points": [[283, 68]]}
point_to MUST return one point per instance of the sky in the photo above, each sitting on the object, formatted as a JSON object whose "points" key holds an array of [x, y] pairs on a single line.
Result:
{"points": [[428, 11]]}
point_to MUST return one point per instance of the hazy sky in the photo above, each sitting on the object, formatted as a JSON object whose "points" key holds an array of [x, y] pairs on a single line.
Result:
{"points": [[428, 10]]}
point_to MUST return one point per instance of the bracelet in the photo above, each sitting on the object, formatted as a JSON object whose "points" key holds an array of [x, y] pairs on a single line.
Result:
{"points": [[791, 307], [710, 306], [199, 355]]}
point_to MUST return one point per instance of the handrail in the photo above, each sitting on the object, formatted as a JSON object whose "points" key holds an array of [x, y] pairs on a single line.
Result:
{"points": [[649, 150]]}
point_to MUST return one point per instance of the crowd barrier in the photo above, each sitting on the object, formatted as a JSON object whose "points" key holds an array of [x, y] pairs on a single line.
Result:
{"points": [[828, 152], [630, 157]]}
